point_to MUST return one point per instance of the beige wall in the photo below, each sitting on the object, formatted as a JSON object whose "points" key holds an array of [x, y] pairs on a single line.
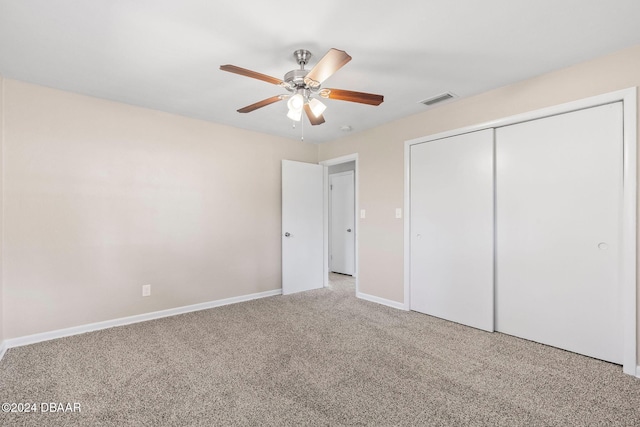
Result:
{"points": [[102, 198], [381, 158]]}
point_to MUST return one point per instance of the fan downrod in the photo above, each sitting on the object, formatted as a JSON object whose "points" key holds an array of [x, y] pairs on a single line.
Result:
{"points": [[302, 57], [295, 78]]}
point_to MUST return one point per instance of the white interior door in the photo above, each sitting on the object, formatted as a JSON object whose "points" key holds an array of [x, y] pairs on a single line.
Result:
{"points": [[559, 186], [342, 222], [452, 228], [302, 226]]}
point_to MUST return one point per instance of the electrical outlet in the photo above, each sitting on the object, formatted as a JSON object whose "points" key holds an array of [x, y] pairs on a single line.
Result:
{"points": [[146, 290], [398, 212], [362, 213]]}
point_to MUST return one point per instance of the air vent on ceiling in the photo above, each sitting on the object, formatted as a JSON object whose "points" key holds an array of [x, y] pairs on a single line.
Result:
{"points": [[437, 99]]}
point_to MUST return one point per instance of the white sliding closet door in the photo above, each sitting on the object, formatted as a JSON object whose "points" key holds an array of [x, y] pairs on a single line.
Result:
{"points": [[452, 228], [559, 187]]}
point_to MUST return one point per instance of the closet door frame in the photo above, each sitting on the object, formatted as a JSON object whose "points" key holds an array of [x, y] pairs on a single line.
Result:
{"points": [[628, 97]]}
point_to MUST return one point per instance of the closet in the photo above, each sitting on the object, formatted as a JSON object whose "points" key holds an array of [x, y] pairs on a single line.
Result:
{"points": [[517, 229], [452, 228]]}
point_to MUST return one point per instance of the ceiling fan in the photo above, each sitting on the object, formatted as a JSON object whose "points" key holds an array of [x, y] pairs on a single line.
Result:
{"points": [[304, 85]]}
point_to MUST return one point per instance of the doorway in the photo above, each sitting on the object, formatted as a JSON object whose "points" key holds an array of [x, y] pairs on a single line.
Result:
{"points": [[342, 246]]}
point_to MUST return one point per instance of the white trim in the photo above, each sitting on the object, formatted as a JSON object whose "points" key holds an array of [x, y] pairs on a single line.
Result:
{"points": [[331, 162], [629, 237], [638, 371], [3, 349], [76, 330], [407, 225], [339, 160], [629, 203], [383, 301]]}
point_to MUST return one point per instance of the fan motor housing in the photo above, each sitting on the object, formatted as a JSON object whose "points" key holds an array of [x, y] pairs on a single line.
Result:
{"points": [[296, 78]]}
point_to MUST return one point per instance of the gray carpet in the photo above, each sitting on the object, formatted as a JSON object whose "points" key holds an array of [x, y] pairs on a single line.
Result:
{"points": [[316, 358]]}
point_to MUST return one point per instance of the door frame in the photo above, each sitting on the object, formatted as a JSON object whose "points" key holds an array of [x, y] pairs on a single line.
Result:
{"points": [[330, 215], [627, 268], [331, 162]]}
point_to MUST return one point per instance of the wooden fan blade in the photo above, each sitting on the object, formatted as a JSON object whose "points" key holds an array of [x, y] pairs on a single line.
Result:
{"points": [[351, 96], [260, 104], [329, 64], [312, 118], [252, 74]]}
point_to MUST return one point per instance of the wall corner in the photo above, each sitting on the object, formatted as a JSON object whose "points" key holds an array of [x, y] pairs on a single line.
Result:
{"points": [[2, 138]]}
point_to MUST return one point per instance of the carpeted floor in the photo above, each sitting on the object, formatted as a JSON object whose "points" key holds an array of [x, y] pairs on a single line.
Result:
{"points": [[316, 358]]}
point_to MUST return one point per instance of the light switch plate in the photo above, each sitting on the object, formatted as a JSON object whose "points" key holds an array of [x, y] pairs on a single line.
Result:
{"points": [[362, 213]]}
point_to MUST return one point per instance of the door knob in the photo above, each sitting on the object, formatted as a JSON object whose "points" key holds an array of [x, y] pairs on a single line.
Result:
{"points": [[287, 234], [348, 230]]}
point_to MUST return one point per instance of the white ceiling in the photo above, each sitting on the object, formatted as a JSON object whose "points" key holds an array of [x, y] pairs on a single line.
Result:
{"points": [[165, 54]]}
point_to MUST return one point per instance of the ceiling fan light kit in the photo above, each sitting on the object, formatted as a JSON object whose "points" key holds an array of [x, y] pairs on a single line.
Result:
{"points": [[304, 85], [295, 114], [317, 107], [296, 102]]}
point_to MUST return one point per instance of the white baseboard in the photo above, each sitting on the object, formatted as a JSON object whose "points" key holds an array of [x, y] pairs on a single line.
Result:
{"points": [[3, 349], [76, 330], [638, 371], [378, 300]]}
